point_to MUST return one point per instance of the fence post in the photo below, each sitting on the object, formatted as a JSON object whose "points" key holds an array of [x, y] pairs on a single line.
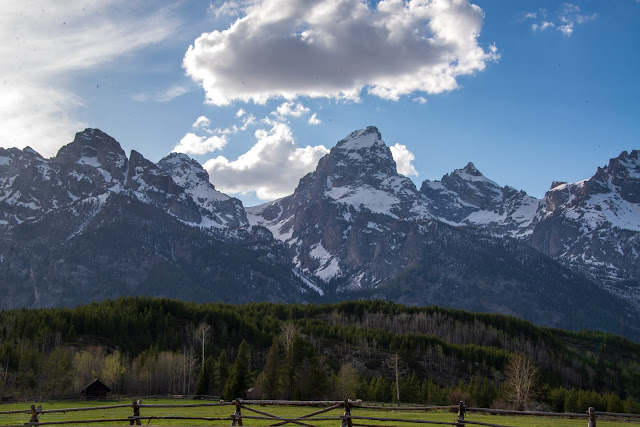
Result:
{"points": [[347, 422], [460, 420], [34, 415], [592, 417], [237, 417], [136, 413]]}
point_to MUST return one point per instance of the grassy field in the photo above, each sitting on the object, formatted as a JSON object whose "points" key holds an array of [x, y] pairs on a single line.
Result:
{"points": [[226, 411]]}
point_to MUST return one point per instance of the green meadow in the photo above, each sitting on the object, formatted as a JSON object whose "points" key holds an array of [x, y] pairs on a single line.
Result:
{"points": [[280, 411]]}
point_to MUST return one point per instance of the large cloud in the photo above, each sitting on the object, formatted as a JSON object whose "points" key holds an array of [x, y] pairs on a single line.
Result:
{"points": [[271, 168], [44, 42], [335, 48]]}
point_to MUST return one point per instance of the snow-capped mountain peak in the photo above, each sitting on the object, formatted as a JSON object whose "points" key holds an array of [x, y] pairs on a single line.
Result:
{"points": [[362, 138], [219, 208], [355, 193], [465, 197]]}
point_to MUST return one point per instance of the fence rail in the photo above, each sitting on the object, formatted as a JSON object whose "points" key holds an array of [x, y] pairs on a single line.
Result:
{"points": [[347, 419]]}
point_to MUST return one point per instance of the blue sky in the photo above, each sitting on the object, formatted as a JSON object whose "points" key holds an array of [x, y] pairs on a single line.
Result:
{"points": [[530, 91]]}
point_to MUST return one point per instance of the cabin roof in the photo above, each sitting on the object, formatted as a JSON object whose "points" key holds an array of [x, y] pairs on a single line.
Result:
{"points": [[96, 385]]}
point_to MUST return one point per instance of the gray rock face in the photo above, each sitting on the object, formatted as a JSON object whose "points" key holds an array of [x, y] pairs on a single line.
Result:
{"points": [[95, 166], [344, 222], [91, 224], [594, 225], [220, 209], [90, 166], [591, 226], [466, 197], [358, 229]]}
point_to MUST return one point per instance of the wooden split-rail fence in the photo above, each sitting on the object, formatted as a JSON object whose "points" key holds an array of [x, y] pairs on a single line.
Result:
{"points": [[246, 412]]}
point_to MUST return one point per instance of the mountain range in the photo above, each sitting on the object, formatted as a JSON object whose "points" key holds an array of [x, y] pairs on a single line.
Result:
{"points": [[92, 223]]}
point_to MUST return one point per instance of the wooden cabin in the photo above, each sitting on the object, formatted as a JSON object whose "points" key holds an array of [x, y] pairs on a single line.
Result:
{"points": [[96, 390]]}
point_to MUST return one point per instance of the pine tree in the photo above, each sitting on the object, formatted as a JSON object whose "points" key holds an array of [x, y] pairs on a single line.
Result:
{"points": [[204, 378], [221, 372], [272, 372], [239, 376]]}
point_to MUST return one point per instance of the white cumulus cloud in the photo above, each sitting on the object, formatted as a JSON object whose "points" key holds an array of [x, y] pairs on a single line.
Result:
{"points": [[271, 168], [290, 109], [337, 48], [194, 144], [403, 158], [314, 120], [201, 122]]}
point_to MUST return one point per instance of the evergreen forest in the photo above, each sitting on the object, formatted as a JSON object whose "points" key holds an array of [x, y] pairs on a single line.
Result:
{"points": [[370, 350]]}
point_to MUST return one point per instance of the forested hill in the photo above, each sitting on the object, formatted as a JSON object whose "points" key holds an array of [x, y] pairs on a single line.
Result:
{"points": [[145, 345]]}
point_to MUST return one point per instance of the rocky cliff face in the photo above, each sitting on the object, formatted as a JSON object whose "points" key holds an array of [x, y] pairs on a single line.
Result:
{"points": [[344, 222], [358, 229], [91, 223], [591, 226], [220, 209], [30, 186], [594, 225], [466, 197]]}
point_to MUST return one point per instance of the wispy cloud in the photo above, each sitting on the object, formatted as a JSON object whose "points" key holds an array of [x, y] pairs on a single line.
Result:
{"points": [[568, 16], [544, 25], [44, 44], [226, 8], [165, 95]]}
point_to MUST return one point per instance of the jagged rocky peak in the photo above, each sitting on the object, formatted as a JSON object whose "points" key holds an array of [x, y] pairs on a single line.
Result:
{"points": [[96, 149], [466, 197], [471, 169], [362, 155], [184, 170], [362, 138], [620, 179], [146, 175], [624, 173], [472, 186], [189, 174], [555, 184], [470, 173], [89, 142]]}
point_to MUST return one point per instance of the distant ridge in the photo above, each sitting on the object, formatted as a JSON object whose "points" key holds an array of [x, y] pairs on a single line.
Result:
{"points": [[92, 223]]}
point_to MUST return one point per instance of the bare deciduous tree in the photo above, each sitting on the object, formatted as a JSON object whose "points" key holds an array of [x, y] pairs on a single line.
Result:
{"points": [[288, 331], [201, 335], [522, 379]]}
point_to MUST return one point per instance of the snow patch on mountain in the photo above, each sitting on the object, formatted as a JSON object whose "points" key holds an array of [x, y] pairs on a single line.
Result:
{"points": [[329, 264], [606, 209], [375, 200], [359, 139], [308, 282]]}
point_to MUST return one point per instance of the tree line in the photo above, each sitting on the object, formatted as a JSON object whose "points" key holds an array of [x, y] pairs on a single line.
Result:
{"points": [[371, 350]]}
